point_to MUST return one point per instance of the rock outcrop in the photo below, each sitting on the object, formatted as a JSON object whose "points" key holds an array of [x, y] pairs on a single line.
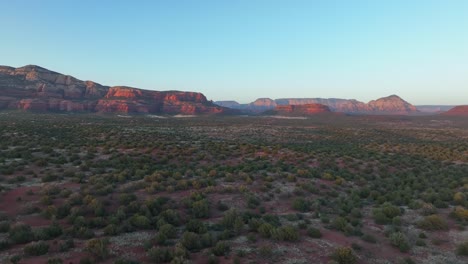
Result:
{"points": [[305, 109], [461, 110], [392, 104], [38, 89]]}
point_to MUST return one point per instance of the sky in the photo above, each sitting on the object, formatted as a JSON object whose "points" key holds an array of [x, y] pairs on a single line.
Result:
{"points": [[245, 49]]}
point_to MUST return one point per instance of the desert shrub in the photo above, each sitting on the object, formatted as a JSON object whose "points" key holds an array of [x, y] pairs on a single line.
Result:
{"points": [[356, 246], [420, 243], [20, 234], [125, 261], [462, 249], [399, 240], [459, 198], [190, 241], [87, 260], [301, 204], [460, 213], [221, 248], [111, 230], [266, 230], [168, 230], [201, 209], [49, 178], [208, 240], [51, 231], [369, 238], [36, 248], [380, 217], [160, 254], [344, 255], [55, 261], [15, 259], [339, 223], [428, 209], [4, 244], [196, 226], [66, 245], [314, 232], [229, 219], [140, 221], [433, 222], [98, 248], [285, 233], [408, 260], [222, 206], [170, 216], [4, 226]]}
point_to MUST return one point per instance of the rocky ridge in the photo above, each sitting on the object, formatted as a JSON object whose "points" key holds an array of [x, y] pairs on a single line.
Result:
{"points": [[38, 89], [386, 105]]}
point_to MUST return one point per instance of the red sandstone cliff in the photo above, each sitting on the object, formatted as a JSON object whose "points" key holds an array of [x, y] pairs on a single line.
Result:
{"points": [[306, 109], [38, 89], [461, 110]]}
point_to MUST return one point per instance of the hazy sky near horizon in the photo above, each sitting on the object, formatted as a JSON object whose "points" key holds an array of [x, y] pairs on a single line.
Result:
{"points": [[245, 49]]}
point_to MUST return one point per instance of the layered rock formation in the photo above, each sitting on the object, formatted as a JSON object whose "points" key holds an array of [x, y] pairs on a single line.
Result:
{"points": [[386, 105], [335, 104], [305, 109], [38, 89], [461, 110], [391, 104]]}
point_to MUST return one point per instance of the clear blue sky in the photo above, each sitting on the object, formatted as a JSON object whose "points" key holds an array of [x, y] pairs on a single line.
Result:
{"points": [[244, 49]]}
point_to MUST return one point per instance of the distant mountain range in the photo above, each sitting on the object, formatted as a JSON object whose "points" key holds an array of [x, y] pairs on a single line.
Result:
{"points": [[38, 89], [392, 104]]}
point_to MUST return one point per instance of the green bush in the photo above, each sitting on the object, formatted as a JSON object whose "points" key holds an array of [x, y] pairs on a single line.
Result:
{"points": [[399, 240], [221, 248], [301, 204], [191, 241], [98, 248], [369, 238], [4, 244], [339, 223], [36, 248], [433, 222], [125, 261], [201, 209], [462, 249], [55, 261], [196, 226], [285, 233], [4, 226], [140, 221], [21, 234], [168, 231], [344, 255], [160, 254], [314, 232]]}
